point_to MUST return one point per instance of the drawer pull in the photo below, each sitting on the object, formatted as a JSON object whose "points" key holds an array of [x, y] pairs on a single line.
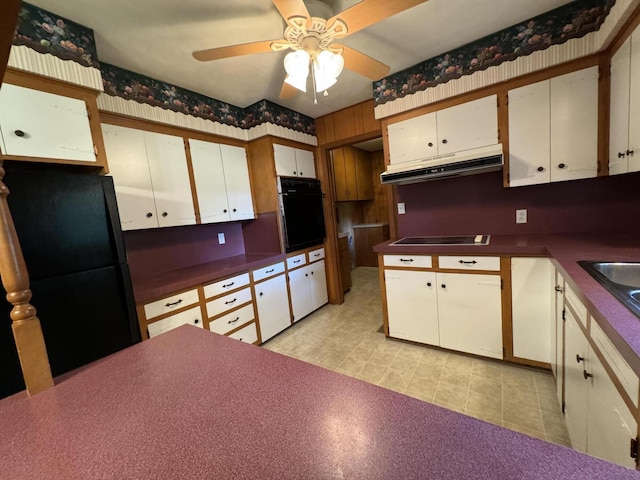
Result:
{"points": [[316, 255], [472, 262], [587, 375], [428, 284], [409, 260], [225, 285], [196, 321], [233, 321], [579, 358], [558, 289], [230, 301], [173, 304], [19, 133], [270, 271], [296, 261]]}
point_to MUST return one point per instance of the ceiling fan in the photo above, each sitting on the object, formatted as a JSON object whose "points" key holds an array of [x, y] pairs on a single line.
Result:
{"points": [[311, 40]]}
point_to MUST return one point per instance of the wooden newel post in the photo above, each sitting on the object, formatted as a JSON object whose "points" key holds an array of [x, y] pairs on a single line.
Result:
{"points": [[26, 326]]}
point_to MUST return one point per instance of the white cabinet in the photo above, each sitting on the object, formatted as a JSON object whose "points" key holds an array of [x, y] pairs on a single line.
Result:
{"points": [[624, 126], [553, 129], [462, 127], [193, 316], [272, 301], [41, 124], [532, 307], [470, 313], [221, 176], [308, 289], [294, 162], [412, 305], [150, 176], [318, 276]]}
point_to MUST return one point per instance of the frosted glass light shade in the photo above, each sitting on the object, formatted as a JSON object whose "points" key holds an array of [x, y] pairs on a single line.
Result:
{"points": [[327, 66], [296, 65]]}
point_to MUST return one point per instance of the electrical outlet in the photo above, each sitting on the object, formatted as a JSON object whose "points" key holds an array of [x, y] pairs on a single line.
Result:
{"points": [[221, 239], [401, 210], [521, 216]]}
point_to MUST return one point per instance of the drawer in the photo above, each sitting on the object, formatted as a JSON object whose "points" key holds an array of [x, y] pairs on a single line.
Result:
{"points": [[620, 367], [248, 334], [192, 316], [226, 285], [296, 261], [233, 300], [316, 254], [578, 307], [417, 261], [168, 304], [469, 263], [266, 272], [228, 322]]}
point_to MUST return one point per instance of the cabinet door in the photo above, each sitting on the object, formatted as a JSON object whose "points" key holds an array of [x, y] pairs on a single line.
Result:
{"points": [[170, 179], [318, 284], [41, 124], [412, 305], [305, 163], [285, 158], [532, 294], [343, 172], [574, 125], [208, 173], [470, 313], [413, 139], [364, 178], [575, 387], [634, 104], [272, 301], [468, 125], [610, 424], [127, 157], [619, 113], [300, 291], [529, 135], [236, 177]]}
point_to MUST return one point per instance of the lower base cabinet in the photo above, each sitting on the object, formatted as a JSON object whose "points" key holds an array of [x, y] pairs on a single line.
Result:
{"points": [[272, 300]]}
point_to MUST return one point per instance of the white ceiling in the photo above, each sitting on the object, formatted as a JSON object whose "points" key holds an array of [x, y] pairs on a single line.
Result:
{"points": [[156, 37]]}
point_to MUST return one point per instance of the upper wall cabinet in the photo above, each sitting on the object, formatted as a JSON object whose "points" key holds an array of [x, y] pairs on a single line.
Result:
{"points": [[553, 129], [39, 124], [151, 178], [462, 127], [294, 162], [223, 189], [352, 173], [624, 127]]}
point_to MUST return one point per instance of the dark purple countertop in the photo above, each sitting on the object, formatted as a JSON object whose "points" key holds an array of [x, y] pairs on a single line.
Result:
{"points": [[618, 322], [193, 404], [166, 283]]}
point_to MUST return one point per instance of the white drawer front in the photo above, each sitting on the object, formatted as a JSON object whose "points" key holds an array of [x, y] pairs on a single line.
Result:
{"points": [[228, 322], [416, 261], [469, 263], [248, 334], [233, 300], [171, 303], [620, 367], [266, 272], [578, 307], [316, 254], [226, 285], [296, 261], [192, 316]]}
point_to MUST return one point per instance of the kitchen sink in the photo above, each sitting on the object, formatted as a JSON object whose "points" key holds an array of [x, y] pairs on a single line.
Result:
{"points": [[621, 279]]}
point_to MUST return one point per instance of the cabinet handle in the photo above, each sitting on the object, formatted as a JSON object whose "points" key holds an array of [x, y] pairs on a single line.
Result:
{"points": [[233, 321], [260, 293], [408, 260], [171, 304], [234, 210], [296, 261], [472, 262], [317, 255], [430, 144], [301, 173], [240, 339], [269, 271], [562, 165], [231, 301], [149, 214], [225, 285], [558, 289], [541, 169], [630, 153], [306, 274], [196, 321], [294, 172], [224, 211], [428, 284], [587, 375], [579, 358], [620, 154], [443, 286], [164, 214], [311, 273], [19, 133], [444, 140]]}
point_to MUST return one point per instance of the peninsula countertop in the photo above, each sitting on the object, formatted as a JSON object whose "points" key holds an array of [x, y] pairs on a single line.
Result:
{"points": [[193, 404]]}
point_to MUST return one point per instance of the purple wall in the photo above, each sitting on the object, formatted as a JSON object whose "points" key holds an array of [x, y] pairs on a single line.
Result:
{"points": [[262, 234], [479, 204]]}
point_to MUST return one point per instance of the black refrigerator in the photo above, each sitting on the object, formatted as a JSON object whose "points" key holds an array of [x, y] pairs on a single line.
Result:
{"points": [[69, 230]]}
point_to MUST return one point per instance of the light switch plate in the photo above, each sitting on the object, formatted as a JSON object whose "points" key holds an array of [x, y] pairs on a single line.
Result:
{"points": [[521, 215], [401, 210], [221, 239]]}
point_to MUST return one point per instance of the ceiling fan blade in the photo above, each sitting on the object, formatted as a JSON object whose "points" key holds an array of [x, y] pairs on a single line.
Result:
{"points": [[368, 12], [234, 50], [291, 8], [288, 91], [362, 64]]}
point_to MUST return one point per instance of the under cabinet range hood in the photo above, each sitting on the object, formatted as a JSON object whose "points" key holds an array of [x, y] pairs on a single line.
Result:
{"points": [[468, 162]]}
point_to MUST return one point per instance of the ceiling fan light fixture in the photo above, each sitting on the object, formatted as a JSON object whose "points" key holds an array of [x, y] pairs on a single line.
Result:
{"points": [[296, 65], [326, 68]]}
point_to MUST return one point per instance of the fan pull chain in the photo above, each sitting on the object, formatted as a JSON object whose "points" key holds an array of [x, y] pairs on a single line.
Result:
{"points": [[313, 77]]}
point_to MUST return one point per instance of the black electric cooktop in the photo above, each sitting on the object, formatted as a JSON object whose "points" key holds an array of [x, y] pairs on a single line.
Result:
{"points": [[452, 240]]}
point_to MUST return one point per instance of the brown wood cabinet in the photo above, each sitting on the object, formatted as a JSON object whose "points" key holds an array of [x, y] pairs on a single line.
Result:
{"points": [[352, 174], [365, 237], [351, 122], [345, 262]]}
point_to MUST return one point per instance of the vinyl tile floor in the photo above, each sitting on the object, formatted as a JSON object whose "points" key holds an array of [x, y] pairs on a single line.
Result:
{"points": [[348, 339]]}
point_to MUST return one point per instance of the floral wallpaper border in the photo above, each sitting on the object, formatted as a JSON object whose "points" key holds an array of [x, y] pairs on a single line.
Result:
{"points": [[573, 20]]}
